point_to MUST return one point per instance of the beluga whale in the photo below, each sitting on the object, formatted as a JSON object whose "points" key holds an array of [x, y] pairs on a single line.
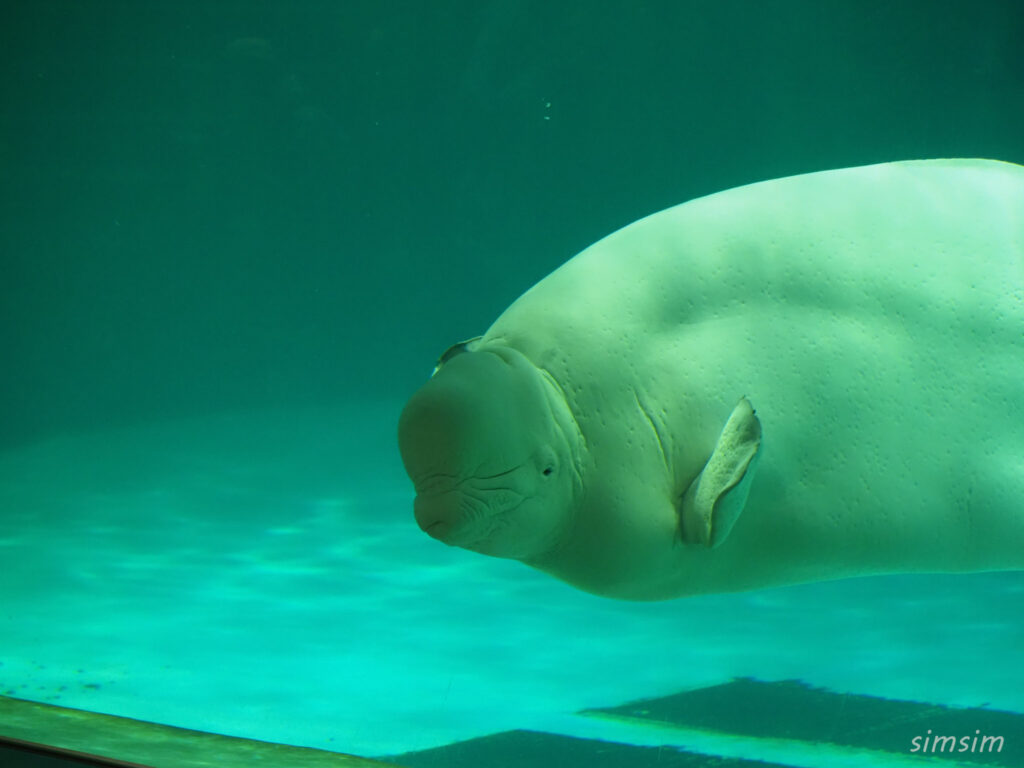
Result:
{"points": [[809, 378]]}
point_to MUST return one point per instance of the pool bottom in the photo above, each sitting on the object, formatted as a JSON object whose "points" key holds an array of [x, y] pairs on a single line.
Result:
{"points": [[740, 724]]}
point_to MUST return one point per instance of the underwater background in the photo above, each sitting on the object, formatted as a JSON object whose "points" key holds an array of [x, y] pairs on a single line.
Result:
{"points": [[234, 237]]}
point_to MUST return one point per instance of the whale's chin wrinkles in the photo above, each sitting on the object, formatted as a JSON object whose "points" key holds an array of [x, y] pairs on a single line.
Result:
{"points": [[435, 483], [488, 535], [470, 537]]}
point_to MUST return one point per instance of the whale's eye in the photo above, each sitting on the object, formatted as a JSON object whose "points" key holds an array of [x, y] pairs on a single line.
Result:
{"points": [[546, 461]]}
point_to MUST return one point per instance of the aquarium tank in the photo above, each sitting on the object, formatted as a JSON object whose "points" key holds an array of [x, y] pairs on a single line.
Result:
{"points": [[358, 406]]}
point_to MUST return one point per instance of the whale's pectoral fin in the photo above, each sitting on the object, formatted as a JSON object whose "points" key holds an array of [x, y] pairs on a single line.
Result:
{"points": [[715, 499]]}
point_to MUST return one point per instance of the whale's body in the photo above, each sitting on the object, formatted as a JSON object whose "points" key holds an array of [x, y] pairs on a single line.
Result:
{"points": [[873, 317]]}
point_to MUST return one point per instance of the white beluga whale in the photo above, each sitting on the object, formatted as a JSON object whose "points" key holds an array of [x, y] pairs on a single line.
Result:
{"points": [[809, 378]]}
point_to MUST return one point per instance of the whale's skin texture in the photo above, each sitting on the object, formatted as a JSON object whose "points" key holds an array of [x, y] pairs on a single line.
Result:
{"points": [[872, 316]]}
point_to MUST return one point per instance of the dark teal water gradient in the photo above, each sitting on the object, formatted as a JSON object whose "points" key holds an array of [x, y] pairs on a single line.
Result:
{"points": [[215, 205]]}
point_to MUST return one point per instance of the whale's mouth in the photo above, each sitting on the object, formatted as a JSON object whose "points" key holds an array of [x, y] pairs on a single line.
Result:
{"points": [[452, 533], [439, 529], [436, 519]]}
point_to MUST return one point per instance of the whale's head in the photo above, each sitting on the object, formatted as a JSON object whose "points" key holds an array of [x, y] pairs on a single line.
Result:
{"points": [[490, 450]]}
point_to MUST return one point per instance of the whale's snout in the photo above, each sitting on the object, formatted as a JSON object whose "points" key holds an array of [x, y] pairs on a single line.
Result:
{"points": [[438, 516]]}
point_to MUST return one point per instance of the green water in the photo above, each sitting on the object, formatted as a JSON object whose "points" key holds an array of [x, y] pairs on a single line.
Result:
{"points": [[235, 235], [210, 205]]}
